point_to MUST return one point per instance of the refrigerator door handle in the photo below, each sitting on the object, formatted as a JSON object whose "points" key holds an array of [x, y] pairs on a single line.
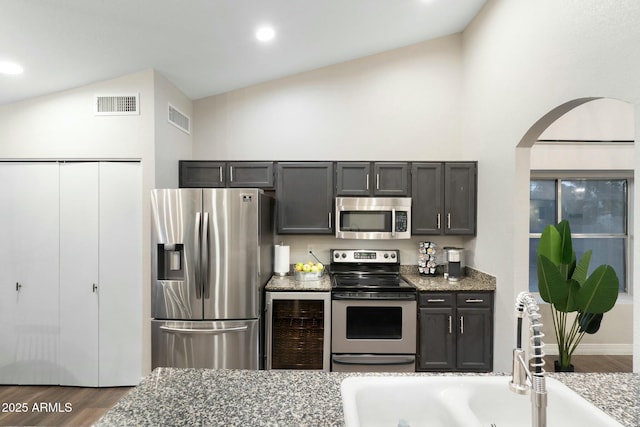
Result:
{"points": [[202, 331], [198, 242], [205, 260]]}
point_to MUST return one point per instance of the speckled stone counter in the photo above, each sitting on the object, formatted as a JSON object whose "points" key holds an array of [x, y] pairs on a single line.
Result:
{"points": [[474, 280], [288, 283], [190, 397]]}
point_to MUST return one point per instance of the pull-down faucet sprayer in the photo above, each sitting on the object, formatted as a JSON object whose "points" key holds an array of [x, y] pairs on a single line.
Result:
{"points": [[522, 370]]}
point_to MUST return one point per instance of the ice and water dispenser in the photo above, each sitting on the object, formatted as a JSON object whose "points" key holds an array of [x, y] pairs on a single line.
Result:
{"points": [[171, 262]]}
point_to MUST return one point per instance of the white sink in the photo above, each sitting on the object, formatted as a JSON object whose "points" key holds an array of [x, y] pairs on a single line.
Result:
{"points": [[459, 401]]}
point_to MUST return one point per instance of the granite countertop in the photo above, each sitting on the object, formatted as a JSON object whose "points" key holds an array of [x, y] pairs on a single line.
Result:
{"points": [[189, 397], [289, 283], [474, 280]]}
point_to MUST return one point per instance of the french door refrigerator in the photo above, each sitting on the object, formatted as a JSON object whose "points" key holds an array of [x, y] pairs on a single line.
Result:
{"points": [[212, 255]]}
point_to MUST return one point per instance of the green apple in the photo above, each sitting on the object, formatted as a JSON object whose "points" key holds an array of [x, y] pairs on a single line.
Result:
{"points": [[306, 268], [319, 266], [298, 266]]}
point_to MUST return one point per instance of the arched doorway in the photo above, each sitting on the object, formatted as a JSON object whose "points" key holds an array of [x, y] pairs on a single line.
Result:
{"points": [[590, 138]]}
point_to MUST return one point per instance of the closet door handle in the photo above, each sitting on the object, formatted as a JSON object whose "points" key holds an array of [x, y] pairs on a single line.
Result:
{"points": [[95, 287], [18, 286]]}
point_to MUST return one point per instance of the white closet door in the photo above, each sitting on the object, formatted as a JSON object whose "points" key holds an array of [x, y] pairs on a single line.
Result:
{"points": [[120, 274], [29, 273], [79, 281]]}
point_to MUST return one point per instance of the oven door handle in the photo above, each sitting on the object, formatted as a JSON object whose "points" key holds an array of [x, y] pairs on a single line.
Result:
{"points": [[376, 296], [364, 359]]}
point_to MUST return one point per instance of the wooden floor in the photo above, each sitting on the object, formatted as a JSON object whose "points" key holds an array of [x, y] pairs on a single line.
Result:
{"points": [[595, 363], [78, 406], [56, 406]]}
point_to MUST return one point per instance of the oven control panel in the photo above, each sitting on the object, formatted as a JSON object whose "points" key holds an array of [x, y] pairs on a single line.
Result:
{"points": [[385, 256]]}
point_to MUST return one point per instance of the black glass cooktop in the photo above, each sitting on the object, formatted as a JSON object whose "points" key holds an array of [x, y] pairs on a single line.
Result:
{"points": [[370, 282]]}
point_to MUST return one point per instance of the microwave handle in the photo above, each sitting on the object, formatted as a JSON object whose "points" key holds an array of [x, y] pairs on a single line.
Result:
{"points": [[393, 223]]}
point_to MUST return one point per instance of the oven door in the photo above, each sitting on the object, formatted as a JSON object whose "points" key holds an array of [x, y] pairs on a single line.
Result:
{"points": [[373, 326]]}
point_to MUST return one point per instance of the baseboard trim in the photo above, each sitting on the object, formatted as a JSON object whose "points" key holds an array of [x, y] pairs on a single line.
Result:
{"points": [[551, 349]]}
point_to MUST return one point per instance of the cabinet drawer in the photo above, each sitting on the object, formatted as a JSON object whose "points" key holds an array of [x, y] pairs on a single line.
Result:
{"points": [[472, 299], [436, 299]]}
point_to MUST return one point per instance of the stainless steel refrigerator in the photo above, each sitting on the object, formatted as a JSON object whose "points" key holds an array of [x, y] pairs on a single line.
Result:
{"points": [[212, 253]]}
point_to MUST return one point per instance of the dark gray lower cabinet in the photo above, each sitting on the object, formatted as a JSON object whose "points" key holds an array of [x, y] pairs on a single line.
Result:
{"points": [[455, 331]]}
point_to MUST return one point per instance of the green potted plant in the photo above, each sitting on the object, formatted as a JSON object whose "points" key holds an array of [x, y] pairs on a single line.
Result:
{"points": [[569, 288]]}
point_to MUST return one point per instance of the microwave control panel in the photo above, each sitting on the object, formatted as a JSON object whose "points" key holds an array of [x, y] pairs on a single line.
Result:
{"points": [[401, 221]]}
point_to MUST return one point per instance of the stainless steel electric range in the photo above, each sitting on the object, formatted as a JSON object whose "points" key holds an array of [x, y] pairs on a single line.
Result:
{"points": [[373, 320]]}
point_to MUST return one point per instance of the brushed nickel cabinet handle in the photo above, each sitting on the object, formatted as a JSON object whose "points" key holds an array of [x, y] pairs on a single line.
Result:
{"points": [[462, 324]]}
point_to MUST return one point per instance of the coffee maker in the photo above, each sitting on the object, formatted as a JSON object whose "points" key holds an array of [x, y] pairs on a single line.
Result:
{"points": [[455, 264]]}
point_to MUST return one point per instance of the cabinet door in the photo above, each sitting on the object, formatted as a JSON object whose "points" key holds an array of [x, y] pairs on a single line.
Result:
{"points": [[201, 174], [120, 273], [436, 340], [79, 338], [250, 174], [460, 198], [474, 321], [353, 178], [391, 179], [29, 273], [304, 192], [426, 194]]}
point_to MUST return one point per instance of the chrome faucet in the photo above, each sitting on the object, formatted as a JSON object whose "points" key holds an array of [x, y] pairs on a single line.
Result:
{"points": [[533, 370]]}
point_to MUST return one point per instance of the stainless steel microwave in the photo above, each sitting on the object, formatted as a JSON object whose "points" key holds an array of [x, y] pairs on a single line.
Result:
{"points": [[373, 217]]}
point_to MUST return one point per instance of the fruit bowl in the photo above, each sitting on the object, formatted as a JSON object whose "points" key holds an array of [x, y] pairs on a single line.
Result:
{"points": [[308, 271], [301, 276]]}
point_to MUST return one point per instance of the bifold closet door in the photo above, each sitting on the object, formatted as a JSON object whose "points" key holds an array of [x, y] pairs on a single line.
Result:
{"points": [[120, 273], [100, 273], [29, 273], [79, 280]]}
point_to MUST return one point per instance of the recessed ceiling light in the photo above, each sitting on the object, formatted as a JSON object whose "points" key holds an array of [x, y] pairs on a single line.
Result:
{"points": [[10, 68], [265, 34]]}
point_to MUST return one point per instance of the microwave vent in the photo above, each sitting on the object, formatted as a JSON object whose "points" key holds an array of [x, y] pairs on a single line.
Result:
{"points": [[179, 119], [117, 105]]}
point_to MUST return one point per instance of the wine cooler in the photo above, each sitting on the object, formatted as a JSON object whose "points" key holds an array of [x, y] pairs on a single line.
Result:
{"points": [[298, 327]]}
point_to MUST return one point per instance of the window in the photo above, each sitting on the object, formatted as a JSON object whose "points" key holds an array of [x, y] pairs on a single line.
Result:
{"points": [[597, 210]]}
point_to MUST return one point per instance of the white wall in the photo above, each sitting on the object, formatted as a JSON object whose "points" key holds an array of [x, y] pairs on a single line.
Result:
{"points": [[522, 60], [399, 105], [171, 143]]}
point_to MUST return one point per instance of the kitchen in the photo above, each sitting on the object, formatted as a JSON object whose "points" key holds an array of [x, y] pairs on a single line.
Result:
{"points": [[304, 116]]}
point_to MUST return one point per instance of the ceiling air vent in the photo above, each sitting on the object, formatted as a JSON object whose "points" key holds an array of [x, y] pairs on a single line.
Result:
{"points": [[117, 105], [179, 119]]}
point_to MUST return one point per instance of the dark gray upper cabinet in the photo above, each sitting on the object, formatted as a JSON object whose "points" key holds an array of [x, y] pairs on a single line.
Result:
{"points": [[197, 174], [304, 195], [352, 178], [250, 174], [460, 198], [213, 174], [388, 179], [444, 198]]}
